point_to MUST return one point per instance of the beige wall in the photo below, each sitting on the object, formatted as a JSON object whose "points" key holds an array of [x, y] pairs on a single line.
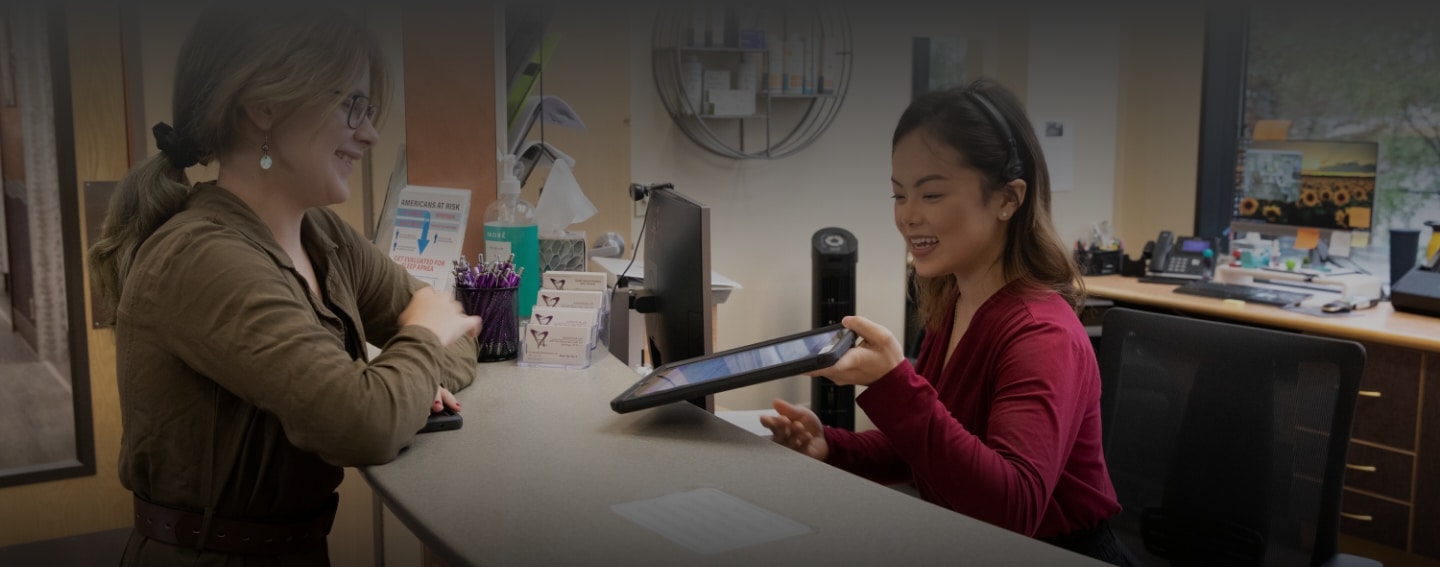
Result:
{"points": [[589, 71], [1157, 157], [1074, 75]]}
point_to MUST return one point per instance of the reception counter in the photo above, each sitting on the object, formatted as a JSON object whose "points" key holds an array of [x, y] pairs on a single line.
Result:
{"points": [[533, 475]]}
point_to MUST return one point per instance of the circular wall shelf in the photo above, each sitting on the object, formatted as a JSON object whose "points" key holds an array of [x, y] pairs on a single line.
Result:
{"points": [[768, 89]]}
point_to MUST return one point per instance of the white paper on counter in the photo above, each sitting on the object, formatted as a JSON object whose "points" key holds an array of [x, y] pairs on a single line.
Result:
{"points": [[709, 521]]}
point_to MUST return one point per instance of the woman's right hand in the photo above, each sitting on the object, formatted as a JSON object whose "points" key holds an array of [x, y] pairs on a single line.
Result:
{"points": [[441, 314], [797, 428]]}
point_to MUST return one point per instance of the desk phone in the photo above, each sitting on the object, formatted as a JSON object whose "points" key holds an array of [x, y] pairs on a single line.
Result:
{"points": [[1186, 258]]}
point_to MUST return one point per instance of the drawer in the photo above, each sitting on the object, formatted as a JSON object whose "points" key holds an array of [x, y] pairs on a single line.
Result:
{"points": [[1387, 408], [1380, 471], [1377, 520]]}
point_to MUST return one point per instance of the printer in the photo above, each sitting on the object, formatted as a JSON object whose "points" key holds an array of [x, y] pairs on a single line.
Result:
{"points": [[1418, 291]]}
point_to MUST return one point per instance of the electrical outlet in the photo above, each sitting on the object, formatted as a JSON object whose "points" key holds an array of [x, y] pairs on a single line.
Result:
{"points": [[639, 207]]}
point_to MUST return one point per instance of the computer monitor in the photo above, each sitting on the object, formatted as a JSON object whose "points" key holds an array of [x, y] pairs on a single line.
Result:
{"points": [[1293, 184], [677, 279]]}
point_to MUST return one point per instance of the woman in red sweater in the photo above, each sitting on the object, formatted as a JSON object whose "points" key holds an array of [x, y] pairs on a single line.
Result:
{"points": [[1000, 418]]}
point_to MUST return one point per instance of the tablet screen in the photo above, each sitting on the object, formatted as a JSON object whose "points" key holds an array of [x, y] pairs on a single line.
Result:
{"points": [[739, 362]]}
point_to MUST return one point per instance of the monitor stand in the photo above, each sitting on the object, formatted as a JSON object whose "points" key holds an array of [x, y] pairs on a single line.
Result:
{"points": [[1347, 285], [1320, 255]]}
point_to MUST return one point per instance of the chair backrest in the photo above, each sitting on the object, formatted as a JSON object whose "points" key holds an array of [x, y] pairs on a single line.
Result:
{"points": [[1226, 444]]}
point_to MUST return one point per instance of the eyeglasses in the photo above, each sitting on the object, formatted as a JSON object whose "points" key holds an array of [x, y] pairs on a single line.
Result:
{"points": [[358, 108]]}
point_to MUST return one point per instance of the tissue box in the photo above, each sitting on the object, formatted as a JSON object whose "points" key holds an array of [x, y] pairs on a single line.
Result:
{"points": [[567, 253]]}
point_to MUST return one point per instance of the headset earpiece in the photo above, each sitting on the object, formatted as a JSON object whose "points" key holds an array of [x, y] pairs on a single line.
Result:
{"points": [[1014, 168]]}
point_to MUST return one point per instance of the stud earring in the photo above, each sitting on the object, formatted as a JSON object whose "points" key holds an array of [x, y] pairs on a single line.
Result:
{"points": [[1004, 216], [265, 161]]}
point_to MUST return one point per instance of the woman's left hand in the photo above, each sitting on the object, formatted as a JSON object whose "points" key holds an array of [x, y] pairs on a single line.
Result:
{"points": [[876, 354], [444, 399]]}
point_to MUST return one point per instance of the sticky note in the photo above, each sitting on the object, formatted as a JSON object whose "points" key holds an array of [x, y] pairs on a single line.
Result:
{"points": [[1358, 217], [1307, 238], [1340, 243], [1271, 129], [1359, 239]]}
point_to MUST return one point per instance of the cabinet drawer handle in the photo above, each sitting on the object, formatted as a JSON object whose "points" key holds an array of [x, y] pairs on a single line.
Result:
{"points": [[1358, 517], [1361, 468], [1369, 393]]}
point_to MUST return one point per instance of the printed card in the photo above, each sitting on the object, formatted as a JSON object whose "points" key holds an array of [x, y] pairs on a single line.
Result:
{"points": [[574, 281], [552, 345], [570, 299]]}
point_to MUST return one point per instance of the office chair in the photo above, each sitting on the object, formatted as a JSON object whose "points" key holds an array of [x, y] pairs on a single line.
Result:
{"points": [[1226, 444]]}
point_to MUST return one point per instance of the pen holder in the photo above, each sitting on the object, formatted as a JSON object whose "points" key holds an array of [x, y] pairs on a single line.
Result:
{"points": [[499, 309], [1095, 262]]}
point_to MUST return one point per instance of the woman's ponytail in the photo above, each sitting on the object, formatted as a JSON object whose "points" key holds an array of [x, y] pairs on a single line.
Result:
{"points": [[146, 197]]}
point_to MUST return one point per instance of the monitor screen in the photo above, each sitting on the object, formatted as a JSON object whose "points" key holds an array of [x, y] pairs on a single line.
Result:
{"points": [[677, 276], [1304, 183]]}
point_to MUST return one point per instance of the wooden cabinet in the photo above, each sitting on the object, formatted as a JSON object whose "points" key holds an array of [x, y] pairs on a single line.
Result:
{"points": [[1375, 519], [1384, 500], [1386, 410], [1380, 471]]}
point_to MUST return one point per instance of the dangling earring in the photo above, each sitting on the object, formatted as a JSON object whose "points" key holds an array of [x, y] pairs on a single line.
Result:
{"points": [[265, 161]]}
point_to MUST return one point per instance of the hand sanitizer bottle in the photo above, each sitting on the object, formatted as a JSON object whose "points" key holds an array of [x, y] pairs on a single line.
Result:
{"points": [[510, 229]]}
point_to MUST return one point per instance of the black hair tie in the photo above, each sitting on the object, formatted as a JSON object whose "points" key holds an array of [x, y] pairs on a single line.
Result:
{"points": [[178, 150]]}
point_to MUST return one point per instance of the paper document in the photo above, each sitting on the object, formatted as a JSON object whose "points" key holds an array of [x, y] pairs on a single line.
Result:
{"points": [[709, 521], [1340, 243], [1057, 142]]}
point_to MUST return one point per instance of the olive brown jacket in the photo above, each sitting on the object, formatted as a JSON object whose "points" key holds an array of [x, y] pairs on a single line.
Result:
{"points": [[243, 393]]}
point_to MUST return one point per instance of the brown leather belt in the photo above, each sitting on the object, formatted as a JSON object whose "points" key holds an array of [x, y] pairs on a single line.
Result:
{"points": [[228, 535]]}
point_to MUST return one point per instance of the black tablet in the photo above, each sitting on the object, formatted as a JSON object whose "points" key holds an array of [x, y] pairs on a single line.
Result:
{"points": [[744, 366]]}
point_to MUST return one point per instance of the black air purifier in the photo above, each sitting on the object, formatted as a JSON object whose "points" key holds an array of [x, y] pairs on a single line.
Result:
{"points": [[833, 254]]}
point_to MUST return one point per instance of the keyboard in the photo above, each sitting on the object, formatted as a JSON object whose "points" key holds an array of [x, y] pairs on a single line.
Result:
{"points": [[1247, 293]]}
